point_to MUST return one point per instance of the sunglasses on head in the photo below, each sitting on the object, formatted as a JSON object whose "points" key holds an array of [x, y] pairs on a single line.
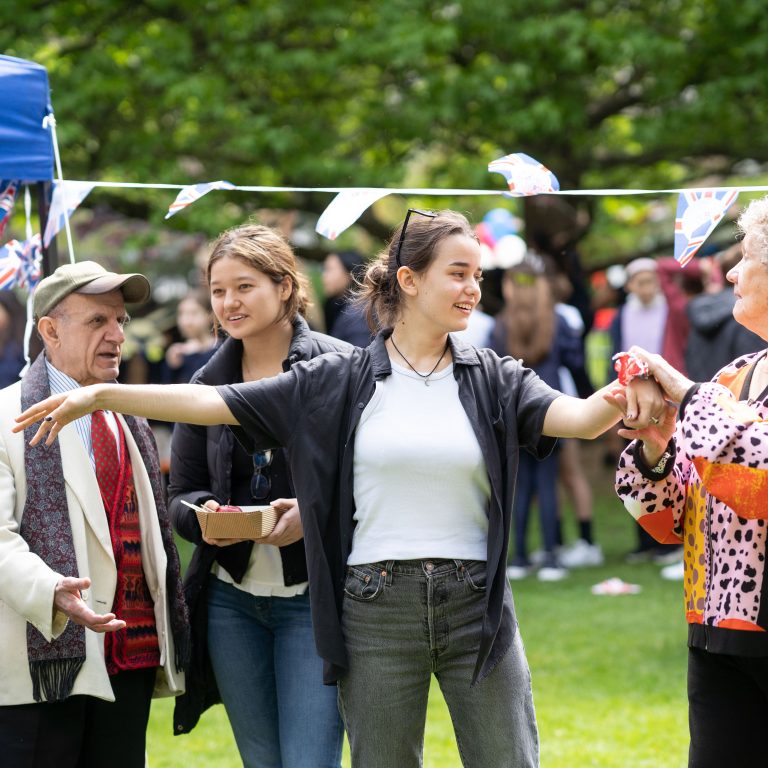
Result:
{"points": [[261, 484], [429, 214]]}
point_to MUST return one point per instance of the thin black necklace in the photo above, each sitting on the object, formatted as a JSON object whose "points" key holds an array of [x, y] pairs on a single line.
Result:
{"points": [[424, 376]]}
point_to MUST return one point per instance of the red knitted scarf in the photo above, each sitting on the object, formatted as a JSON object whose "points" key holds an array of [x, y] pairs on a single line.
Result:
{"points": [[135, 647]]}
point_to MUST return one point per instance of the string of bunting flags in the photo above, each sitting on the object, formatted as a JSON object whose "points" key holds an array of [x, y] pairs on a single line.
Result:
{"points": [[698, 210]]}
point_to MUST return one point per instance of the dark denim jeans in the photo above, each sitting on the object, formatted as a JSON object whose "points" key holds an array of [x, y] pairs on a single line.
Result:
{"points": [[535, 479], [271, 680], [403, 622]]}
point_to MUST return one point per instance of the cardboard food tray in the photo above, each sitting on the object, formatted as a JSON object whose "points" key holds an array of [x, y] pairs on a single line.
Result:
{"points": [[252, 522]]}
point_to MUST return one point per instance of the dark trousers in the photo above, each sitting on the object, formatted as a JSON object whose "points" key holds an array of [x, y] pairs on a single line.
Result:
{"points": [[82, 731], [536, 479], [727, 706]]}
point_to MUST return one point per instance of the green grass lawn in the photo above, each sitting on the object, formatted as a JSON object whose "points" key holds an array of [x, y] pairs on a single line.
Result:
{"points": [[608, 672]]}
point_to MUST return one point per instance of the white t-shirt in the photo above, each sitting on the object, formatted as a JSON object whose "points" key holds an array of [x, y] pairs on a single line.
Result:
{"points": [[421, 488], [264, 575]]}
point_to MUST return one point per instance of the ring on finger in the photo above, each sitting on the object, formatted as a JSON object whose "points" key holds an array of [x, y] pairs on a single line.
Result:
{"points": [[48, 418]]}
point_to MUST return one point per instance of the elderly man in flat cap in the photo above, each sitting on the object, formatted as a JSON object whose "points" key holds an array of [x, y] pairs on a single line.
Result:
{"points": [[92, 616]]}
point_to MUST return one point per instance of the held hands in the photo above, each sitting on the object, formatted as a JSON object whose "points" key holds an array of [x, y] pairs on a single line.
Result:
{"points": [[56, 412], [287, 530], [655, 431], [674, 384], [641, 401], [655, 437], [67, 598]]}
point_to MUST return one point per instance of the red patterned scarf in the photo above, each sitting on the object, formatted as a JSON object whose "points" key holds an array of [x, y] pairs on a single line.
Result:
{"points": [[135, 647]]}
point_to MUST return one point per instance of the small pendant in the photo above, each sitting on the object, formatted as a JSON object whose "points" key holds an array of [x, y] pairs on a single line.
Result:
{"points": [[426, 382]]}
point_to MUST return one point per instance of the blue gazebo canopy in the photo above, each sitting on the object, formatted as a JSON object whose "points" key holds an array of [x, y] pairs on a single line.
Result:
{"points": [[26, 148]]}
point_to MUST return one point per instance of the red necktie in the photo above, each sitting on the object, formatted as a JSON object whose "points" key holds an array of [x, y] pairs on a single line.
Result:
{"points": [[105, 454]]}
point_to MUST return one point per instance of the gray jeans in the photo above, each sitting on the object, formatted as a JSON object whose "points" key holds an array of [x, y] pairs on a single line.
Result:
{"points": [[406, 620]]}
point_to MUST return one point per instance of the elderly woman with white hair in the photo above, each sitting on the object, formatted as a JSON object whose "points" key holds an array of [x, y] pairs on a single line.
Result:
{"points": [[700, 477]]}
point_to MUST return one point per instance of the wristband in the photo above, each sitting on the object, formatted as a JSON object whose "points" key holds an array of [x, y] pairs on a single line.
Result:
{"points": [[628, 367], [663, 466]]}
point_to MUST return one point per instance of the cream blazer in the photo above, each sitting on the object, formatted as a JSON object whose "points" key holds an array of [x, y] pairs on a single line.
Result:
{"points": [[27, 583]]}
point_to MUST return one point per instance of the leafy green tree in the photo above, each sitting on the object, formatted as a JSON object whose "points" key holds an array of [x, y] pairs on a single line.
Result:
{"points": [[616, 93]]}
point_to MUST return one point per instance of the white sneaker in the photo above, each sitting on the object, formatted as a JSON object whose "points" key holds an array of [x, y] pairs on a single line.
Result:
{"points": [[673, 572], [518, 572], [551, 573], [581, 554]]}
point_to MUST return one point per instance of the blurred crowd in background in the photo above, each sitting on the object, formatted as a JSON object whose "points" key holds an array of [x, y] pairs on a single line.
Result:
{"points": [[539, 305]]}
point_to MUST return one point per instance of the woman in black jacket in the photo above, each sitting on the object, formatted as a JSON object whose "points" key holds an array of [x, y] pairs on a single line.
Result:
{"points": [[405, 458], [249, 599]]}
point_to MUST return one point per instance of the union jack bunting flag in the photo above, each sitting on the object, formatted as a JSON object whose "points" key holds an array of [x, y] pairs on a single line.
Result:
{"points": [[20, 264], [10, 263], [8, 190], [189, 194], [525, 176], [67, 196], [698, 213]]}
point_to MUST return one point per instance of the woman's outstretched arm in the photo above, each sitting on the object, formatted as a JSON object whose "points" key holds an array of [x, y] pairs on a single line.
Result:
{"points": [[190, 403], [572, 417]]}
